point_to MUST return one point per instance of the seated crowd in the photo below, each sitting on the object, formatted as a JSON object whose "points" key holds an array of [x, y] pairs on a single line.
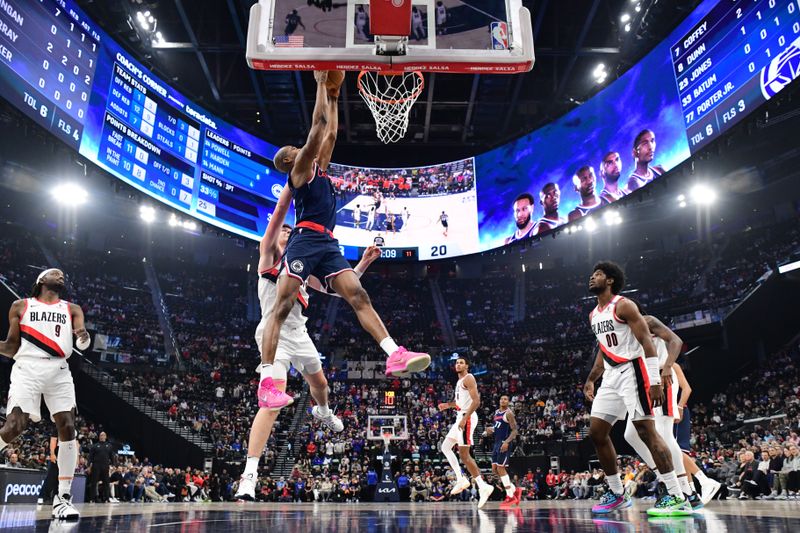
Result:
{"points": [[211, 388]]}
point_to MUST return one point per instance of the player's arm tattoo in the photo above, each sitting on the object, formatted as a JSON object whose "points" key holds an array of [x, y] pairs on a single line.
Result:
{"points": [[10, 346], [674, 342], [512, 422], [628, 312]]}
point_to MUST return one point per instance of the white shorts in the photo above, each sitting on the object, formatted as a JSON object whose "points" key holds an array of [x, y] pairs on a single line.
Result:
{"points": [[463, 436], [34, 377], [295, 347], [624, 392], [670, 406]]}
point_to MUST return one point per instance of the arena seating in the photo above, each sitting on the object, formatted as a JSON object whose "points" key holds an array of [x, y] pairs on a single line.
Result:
{"points": [[211, 388]]}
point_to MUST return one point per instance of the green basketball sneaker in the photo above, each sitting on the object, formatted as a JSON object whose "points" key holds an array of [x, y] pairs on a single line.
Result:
{"points": [[671, 505]]}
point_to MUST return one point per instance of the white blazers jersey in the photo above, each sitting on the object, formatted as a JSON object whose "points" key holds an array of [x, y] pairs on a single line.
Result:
{"points": [[45, 330], [463, 399], [661, 350], [268, 293], [617, 342]]}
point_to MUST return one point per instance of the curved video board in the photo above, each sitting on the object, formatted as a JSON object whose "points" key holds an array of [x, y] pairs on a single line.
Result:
{"points": [[722, 62]]}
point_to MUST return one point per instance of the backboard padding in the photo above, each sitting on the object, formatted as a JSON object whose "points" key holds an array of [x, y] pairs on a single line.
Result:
{"points": [[293, 35]]}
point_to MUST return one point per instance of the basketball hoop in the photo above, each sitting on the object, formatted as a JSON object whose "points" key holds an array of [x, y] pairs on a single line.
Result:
{"points": [[389, 96], [386, 438]]}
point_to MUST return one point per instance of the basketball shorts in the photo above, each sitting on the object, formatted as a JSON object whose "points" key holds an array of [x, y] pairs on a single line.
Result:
{"points": [[501, 458], [624, 392], [295, 348], [463, 437], [670, 405], [33, 378], [683, 431], [313, 253]]}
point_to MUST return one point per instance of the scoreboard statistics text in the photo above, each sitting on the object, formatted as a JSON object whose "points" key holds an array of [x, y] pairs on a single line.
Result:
{"points": [[60, 69], [737, 57]]}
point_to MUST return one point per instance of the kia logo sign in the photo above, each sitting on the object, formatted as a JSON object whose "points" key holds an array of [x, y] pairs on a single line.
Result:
{"points": [[388, 490], [277, 189]]}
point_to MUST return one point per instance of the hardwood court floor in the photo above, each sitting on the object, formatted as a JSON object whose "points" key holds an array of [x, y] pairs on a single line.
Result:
{"points": [[561, 516]]}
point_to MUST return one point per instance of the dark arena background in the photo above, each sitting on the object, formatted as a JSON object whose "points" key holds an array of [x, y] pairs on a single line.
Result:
{"points": [[136, 157]]}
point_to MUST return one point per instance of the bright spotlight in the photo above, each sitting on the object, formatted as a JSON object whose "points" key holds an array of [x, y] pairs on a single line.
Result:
{"points": [[147, 213], [173, 221], [70, 194], [625, 17], [190, 225], [628, 27], [682, 204], [703, 194], [590, 225]]}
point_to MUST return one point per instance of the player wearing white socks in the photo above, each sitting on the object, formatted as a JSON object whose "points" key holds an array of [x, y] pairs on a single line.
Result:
{"points": [[504, 428], [668, 346], [467, 400], [40, 341], [295, 347]]}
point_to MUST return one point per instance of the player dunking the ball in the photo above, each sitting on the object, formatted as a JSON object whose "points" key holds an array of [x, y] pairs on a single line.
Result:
{"points": [[504, 428], [467, 400], [40, 341], [631, 386], [313, 250], [295, 347]]}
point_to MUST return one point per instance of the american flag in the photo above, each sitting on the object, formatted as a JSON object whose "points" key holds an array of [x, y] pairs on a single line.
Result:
{"points": [[290, 41]]}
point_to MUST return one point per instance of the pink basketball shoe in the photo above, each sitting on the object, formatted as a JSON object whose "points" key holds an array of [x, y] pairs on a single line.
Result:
{"points": [[271, 397], [402, 362]]}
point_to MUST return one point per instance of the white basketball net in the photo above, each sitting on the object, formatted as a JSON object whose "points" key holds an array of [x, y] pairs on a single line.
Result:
{"points": [[390, 97]]}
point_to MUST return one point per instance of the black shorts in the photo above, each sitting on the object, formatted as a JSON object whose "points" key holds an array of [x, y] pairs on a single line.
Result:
{"points": [[444, 223], [312, 253]]}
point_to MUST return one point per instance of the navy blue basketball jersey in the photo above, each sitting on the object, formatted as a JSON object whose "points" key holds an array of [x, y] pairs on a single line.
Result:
{"points": [[315, 201], [502, 429]]}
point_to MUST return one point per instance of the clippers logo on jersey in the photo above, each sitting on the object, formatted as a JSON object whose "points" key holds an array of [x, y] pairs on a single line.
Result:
{"points": [[45, 329], [617, 342], [296, 266], [502, 429]]}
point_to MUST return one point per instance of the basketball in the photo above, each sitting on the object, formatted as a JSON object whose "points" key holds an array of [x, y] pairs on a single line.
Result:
{"points": [[335, 79]]}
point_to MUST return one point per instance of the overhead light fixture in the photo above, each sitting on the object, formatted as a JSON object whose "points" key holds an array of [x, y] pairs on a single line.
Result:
{"points": [[625, 17], [703, 194], [589, 224], [70, 194], [628, 27], [147, 213], [600, 74]]}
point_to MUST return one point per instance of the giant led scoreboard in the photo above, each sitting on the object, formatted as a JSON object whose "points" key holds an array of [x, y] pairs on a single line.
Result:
{"points": [[57, 66]]}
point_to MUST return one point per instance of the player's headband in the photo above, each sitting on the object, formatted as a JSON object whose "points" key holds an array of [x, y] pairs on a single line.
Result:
{"points": [[45, 273]]}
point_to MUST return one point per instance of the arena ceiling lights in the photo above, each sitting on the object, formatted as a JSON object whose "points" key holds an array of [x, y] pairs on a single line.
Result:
{"points": [[70, 194]]}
